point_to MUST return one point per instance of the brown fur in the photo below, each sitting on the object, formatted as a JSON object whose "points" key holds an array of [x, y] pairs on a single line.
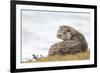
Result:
{"points": [[73, 42]]}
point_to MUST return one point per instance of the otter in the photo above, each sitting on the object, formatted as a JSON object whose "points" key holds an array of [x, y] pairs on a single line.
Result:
{"points": [[73, 42]]}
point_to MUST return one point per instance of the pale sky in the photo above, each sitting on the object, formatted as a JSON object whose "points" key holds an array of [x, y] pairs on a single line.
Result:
{"points": [[39, 29]]}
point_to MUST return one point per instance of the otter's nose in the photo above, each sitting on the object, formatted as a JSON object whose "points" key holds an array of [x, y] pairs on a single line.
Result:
{"points": [[59, 35]]}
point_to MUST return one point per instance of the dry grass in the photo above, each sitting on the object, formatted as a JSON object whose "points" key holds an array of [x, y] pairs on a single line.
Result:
{"points": [[79, 56]]}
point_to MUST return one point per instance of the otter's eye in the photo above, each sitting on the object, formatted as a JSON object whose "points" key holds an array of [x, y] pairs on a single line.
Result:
{"points": [[68, 30]]}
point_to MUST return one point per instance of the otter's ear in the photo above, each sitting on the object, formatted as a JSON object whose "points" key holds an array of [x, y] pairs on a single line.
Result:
{"points": [[73, 31]]}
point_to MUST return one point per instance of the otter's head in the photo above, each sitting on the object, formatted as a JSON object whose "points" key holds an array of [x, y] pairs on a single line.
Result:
{"points": [[65, 32]]}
